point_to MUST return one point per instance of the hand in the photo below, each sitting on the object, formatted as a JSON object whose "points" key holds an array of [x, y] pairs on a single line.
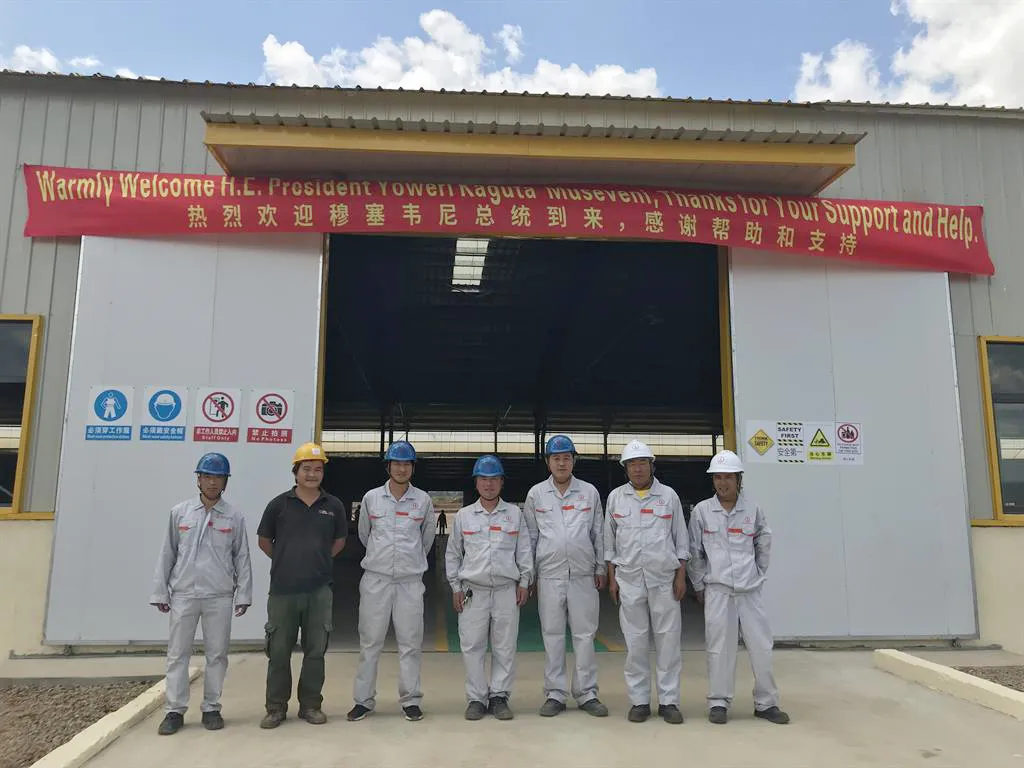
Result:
{"points": [[522, 593], [700, 596], [679, 585], [241, 609], [459, 600], [163, 607], [600, 581], [613, 590]]}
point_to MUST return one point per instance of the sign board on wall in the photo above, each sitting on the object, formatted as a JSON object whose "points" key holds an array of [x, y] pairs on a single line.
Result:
{"points": [[270, 415], [217, 415], [820, 443], [109, 415], [164, 414]]}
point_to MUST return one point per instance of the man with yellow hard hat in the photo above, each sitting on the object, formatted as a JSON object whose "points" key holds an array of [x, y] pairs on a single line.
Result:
{"points": [[302, 531]]}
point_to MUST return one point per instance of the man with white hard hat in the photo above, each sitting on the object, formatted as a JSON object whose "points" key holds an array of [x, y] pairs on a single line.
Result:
{"points": [[731, 546], [396, 525], [566, 524], [646, 546]]}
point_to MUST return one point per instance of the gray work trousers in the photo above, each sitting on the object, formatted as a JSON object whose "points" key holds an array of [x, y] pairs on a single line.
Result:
{"points": [[381, 602], [645, 609], [726, 615], [578, 600], [186, 614], [491, 614]]}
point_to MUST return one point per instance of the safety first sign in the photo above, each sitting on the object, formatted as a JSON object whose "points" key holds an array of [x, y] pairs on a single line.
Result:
{"points": [[821, 443]]}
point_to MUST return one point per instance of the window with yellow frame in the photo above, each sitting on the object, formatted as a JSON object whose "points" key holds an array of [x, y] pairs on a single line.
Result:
{"points": [[1002, 374], [19, 345]]}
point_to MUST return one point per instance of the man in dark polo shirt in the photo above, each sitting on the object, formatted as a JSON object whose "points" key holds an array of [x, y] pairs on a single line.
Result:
{"points": [[302, 531]]}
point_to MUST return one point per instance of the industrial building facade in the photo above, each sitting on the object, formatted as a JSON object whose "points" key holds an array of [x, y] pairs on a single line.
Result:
{"points": [[878, 404]]}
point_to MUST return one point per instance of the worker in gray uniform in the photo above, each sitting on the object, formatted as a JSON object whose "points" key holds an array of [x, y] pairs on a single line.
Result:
{"points": [[204, 573], [728, 566], [397, 526], [489, 565], [646, 547], [566, 524]]}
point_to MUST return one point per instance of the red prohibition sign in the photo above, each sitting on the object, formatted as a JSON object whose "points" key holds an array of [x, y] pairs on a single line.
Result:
{"points": [[847, 433], [218, 406], [271, 408]]}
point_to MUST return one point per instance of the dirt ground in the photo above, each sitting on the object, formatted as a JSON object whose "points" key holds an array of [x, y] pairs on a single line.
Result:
{"points": [[37, 718], [1011, 677]]}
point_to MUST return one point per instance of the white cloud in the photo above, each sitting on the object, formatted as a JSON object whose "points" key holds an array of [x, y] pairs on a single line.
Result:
{"points": [[963, 52], [450, 56], [84, 62], [27, 59]]}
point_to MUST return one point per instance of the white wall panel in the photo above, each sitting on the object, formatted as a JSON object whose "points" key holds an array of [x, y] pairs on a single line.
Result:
{"points": [[880, 549], [239, 312]]}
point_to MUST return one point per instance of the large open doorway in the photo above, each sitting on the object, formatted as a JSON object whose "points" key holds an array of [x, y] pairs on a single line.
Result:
{"points": [[466, 346]]}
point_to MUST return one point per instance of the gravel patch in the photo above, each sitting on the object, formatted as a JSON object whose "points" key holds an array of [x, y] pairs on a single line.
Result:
{"points": [[1011, 677], [36, 718]]}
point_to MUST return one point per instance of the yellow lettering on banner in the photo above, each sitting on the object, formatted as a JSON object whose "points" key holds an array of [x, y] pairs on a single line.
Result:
{"points": [[848, 244], [196, 217], [753, 233], [593, 218], [232, 216], [817, 241], [687, 225], [374, 215], [304, 215], [268, 215], [484, 216], [339, 214], [447, 215], [411, 213], [786, 238], [720, 228], [521, 216], [556, 216], [654, 222]]}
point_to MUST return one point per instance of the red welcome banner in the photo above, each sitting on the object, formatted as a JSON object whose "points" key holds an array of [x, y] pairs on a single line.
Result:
{"points": [[69, 202]]}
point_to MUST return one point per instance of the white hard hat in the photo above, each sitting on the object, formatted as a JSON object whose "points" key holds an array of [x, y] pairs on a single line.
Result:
{"points": [[635, 450], [725, 461]]}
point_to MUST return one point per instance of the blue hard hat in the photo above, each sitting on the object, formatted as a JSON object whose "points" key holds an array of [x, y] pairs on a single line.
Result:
{"points": [[488, 466], [214, 464], [400, 450], [559, 444]]}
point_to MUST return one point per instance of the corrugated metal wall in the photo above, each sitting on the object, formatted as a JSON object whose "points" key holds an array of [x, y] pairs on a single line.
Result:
{"points": [[125, 125]]}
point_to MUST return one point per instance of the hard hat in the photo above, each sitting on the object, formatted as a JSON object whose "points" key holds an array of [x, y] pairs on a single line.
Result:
{"points": [[400, 450], [559, 444], [725, 461], [214, 464], [488, 466], [635, 450], [309, 452]]}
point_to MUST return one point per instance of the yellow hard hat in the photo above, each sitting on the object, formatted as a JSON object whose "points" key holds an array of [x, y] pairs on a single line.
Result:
{"points": [[309, 452]]}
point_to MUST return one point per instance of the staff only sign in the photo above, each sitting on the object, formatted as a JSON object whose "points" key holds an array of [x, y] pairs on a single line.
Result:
{"points": [[71, 202]]}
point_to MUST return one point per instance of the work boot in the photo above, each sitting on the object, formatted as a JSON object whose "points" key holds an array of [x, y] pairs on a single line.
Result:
{"points": [[772, 715], [718, 715], [272, 719], [500, 708], [358, 712], [551, 707], [212, 721], [670, 714], [639, 713], [595, 708], [313, 716], [412, 713], [171, 723], [476, 710]]}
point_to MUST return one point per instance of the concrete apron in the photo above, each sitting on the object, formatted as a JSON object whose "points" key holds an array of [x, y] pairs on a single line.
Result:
{"points": [[845, 713]]}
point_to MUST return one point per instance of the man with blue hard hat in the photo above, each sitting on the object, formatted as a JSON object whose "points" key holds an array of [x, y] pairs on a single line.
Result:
{"points": [[566, 524], [489, 565], [203, 574], [396, 525]]}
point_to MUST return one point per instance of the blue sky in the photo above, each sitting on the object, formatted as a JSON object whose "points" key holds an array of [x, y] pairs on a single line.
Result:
{"points": [[719, 48]]}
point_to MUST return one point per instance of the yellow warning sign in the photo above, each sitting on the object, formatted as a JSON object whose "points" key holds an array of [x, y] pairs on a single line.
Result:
{"points": [[761, 442], [819, 440]]}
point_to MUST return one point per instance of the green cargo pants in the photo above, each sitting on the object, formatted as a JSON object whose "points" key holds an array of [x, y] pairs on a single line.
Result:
{"points": [[310, 612]]}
